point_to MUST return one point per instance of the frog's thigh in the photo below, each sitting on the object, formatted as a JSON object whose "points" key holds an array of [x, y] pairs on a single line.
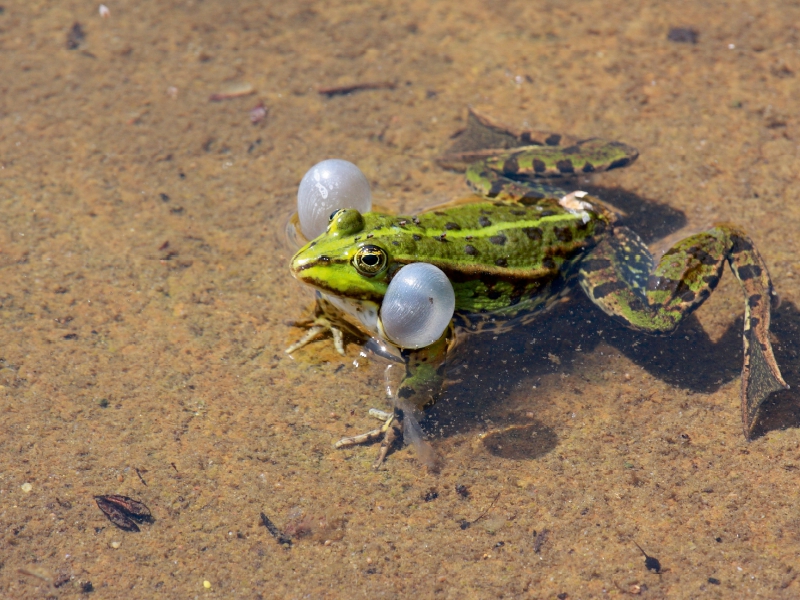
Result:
{"points": [[486, 181], [615, 274]]}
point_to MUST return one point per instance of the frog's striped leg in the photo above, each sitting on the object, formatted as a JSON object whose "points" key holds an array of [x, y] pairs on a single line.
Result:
{"points": [[492, 184], [616, 275], [495, 176]]}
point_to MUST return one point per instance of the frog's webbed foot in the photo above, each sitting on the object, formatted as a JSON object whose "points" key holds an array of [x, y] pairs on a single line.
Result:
{"points": [[327, 319], [316, 328], [389, 433]]}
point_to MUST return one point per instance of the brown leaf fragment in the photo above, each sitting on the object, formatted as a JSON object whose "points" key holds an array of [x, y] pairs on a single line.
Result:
{"points": [[129, 505], [123, 511], [116, 515]]}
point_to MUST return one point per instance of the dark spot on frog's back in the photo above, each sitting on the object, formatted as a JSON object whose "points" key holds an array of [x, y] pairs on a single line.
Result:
{"points": [[452, 226], [565, 166], [493, 294], [753, 300], [702, 256], [501, 262], [593, 265], [748, 272], [416, 237], [497, 187], [511, 165], [604, 289], [469, 249], [484, 222], [405, 392], [563, 234], [539, 166], [620, 162], [741, 244], [498, 240], [533, 233], [553, 140], [588, 167]]}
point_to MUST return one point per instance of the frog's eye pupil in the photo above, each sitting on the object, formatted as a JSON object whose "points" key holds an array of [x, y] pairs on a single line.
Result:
{"points": [[370, 260], [333, 214]]}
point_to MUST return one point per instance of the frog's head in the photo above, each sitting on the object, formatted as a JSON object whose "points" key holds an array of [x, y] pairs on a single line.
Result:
{"points": [[347, 260]]}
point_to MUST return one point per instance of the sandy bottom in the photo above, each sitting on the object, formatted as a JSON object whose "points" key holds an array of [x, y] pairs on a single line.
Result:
{"points": [[145, 303]]}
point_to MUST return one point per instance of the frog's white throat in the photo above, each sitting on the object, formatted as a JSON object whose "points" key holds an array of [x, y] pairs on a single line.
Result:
{"points": [[364, 313]]}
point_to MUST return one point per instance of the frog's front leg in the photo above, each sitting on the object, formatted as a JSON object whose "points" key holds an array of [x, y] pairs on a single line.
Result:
{"points": [[421, 386], [327, 318], [616, 275]]}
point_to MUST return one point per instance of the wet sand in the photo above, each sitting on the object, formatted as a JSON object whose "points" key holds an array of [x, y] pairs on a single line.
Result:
{"points": [[146, 302]]}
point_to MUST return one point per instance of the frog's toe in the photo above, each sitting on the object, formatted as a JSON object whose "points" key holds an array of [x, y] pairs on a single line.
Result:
{"points": [[315, 329], [389, 433], [312, 333]]}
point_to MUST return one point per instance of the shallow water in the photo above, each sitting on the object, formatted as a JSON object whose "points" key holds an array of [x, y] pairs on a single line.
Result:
{"points": [[146, 303]]}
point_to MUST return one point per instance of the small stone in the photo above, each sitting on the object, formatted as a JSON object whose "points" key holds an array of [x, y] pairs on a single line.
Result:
{"points": [[26, 487], [207, 584], [116, 545]]}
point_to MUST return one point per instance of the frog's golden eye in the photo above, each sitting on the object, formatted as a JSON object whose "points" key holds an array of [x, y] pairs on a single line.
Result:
{"points": [[370, 260]]}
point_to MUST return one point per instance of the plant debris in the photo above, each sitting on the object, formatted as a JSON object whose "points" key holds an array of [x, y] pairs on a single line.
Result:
{"points": [[75, 36], [236, 90], [464, 524], [651, 563], [123, 512], [539, 539], [683, 35], [341, 90], [282, 538], [139, 473]]}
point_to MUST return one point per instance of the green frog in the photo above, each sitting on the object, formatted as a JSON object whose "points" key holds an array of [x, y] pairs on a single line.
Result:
{"points": [[515, 248]]}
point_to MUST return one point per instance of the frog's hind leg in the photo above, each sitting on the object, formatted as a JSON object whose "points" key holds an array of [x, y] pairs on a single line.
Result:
{"points": [[616, 275], [490, 183]]}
